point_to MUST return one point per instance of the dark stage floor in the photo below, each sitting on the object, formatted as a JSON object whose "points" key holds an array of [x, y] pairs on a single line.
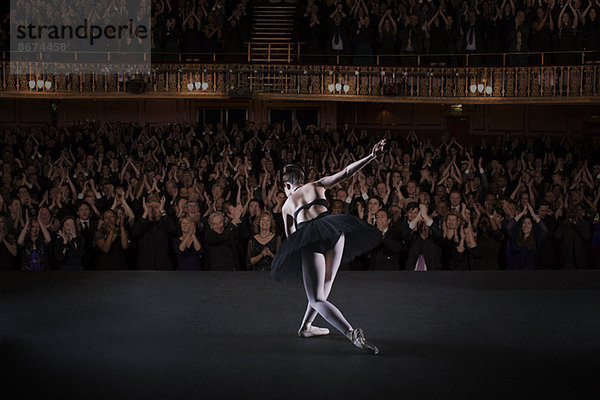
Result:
{"points": [[170, 335]]}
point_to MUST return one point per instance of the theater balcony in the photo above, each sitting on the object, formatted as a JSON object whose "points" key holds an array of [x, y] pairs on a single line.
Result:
{"points": [[295, 79]]}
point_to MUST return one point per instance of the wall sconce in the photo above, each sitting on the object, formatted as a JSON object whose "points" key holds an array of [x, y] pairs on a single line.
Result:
{"points": [[338, 87], [40, 84], [197, 86], [481, 89]]}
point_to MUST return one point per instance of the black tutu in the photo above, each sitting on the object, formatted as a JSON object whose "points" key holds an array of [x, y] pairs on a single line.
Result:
{"points": [[320, 235]]}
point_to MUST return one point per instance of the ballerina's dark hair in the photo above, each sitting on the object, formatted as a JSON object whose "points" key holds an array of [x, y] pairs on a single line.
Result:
{"points": [[293, 174]]}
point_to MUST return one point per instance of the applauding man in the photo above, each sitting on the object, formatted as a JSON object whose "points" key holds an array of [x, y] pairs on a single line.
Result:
{"points": [[424, 243], [153, 232]]}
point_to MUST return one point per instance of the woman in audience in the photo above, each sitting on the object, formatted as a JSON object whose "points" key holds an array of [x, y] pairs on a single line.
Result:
{"points": [[525, 233], [263, 245], [112, 240], [69, 246], [486, 255], [34, 242], [187, 246]]}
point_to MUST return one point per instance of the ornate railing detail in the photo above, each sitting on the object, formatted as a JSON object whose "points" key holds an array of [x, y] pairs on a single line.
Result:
{"points": [[389, 83]]}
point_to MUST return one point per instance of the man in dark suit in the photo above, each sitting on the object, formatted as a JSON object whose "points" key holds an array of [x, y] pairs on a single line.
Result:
{"points": [[546, 256], [87, 227], [339, 42], [573, 232], [154, 231], [472, 26], [411, 40], [425, 244], [386, 256], [220, 241]]}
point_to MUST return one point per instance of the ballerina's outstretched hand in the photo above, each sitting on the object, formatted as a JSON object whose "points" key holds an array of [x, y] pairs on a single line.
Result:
{"points": [[379, 148]]}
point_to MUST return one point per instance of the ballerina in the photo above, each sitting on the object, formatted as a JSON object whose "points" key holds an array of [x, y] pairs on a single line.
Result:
{"points": [[319, 242]]}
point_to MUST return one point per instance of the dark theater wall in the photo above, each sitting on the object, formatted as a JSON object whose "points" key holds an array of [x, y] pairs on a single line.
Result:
{"points": [[68, 111], [426, 119], [477, 119]]}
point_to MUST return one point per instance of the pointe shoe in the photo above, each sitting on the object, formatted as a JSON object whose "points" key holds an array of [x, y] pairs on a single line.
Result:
{"points": [[310, 331], [357, 337]]}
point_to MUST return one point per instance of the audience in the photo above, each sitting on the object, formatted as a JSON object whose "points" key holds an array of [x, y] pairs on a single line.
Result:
{"points": [[353, 31], [189, 27], [441, 27], [74, 198]]}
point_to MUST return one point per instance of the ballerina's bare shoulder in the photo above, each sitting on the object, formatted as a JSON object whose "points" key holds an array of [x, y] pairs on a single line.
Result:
{"points": [[304, 195]]}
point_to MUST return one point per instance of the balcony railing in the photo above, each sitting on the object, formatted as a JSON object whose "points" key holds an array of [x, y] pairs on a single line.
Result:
{"points": [[294, 55], [325, 82]]}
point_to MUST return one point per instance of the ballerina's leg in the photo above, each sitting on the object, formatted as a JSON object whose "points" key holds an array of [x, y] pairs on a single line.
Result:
{"points": [[333, 259], [314, 272]]}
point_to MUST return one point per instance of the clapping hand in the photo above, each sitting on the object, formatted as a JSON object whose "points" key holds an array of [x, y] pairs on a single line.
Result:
{"points": [[266, 252], [163, 200], [532, 212], [145, 207], [236, 213]]}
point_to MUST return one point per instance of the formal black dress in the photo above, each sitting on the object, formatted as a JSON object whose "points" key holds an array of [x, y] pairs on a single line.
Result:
{"points": [[221, 250], [189, 259], [320, 235], [255, 248], [153, 240], [70, 255], [115, 258]]}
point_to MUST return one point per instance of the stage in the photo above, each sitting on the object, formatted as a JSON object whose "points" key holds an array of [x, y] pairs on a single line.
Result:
{"points": [[175, 335]]}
